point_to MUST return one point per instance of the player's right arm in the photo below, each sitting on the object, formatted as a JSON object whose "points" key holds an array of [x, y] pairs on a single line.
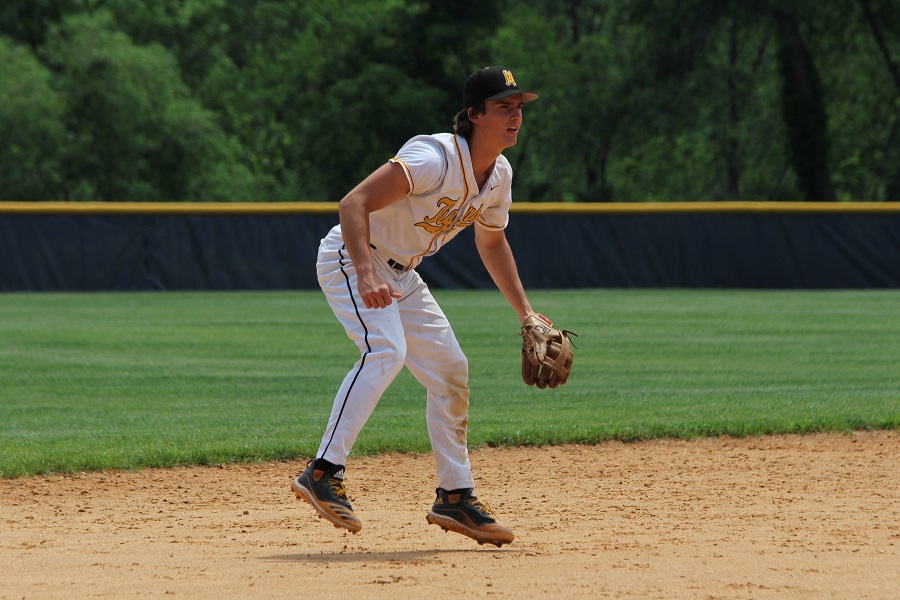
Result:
{"points": [[385, 185]]}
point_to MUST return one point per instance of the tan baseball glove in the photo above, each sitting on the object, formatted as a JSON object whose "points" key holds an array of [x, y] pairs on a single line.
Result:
{"points": [[546, 353]]}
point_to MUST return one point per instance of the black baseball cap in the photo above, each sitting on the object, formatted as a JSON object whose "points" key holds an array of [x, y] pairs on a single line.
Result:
{"points": [[492, 83]]}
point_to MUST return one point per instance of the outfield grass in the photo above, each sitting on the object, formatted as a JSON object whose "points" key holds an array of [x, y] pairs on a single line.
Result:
{"points": [[125, 380]]}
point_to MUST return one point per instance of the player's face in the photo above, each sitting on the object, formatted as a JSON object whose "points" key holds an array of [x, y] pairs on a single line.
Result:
{"points": [[502, 120]]}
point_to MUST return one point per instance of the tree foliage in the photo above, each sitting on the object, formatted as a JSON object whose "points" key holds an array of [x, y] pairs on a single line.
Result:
{"points": [[31, 122], [277, 100]]}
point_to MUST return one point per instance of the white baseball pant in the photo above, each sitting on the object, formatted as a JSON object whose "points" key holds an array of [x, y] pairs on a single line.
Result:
{"points": [[411, 331]]}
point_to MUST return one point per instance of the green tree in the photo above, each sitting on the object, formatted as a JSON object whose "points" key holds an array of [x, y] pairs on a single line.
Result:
{"points": [[28, 21], [705, 99], [294, 100], [859, 53], [32, 132], [336, 89], [572, 134], [804, 111], [137, 134], [196, 32]]}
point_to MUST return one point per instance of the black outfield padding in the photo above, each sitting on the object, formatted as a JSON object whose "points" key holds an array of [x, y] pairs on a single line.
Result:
{"points": [[84, 251]]}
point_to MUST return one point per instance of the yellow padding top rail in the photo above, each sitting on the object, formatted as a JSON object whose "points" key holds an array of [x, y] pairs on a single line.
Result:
{"points": [[227, 208], [169, 208]]}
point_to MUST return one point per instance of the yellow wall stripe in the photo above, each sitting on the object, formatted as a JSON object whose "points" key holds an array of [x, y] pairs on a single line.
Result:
{"points": [[704, 207], [517, 207], [171, 208]]}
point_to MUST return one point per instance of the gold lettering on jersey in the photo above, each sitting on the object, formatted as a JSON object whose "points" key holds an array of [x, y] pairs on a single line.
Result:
{"points": [[510, 80], [445, 219]]}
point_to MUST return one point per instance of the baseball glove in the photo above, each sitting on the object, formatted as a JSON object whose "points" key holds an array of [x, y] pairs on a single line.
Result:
{"points": [[546, 353]]}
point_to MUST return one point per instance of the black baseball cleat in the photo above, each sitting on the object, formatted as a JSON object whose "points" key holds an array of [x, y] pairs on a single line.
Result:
{"points": [[462, 512], [323, 487]]}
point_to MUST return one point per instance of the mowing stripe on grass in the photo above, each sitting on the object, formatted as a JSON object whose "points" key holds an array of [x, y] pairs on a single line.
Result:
{"points": [[127, 380]]}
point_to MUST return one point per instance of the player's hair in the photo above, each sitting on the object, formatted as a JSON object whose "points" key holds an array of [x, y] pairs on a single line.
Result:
{"points": [[461, 123]]}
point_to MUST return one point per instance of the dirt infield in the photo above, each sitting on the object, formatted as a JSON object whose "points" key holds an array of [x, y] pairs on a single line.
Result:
{"points": [[778, 517]]}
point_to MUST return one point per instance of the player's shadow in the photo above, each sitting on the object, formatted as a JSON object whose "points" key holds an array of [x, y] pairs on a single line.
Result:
{"points": [[400, 556]]}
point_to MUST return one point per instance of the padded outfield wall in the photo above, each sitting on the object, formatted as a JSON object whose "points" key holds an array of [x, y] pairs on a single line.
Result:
{"points": [[108, 246]]}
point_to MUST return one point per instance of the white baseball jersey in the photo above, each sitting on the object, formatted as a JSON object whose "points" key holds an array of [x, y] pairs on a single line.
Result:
{"points": [[443, 199], [413, 330]]}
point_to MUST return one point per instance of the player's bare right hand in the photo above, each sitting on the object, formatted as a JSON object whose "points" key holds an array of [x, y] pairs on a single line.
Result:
{"points": [[377, 294]]}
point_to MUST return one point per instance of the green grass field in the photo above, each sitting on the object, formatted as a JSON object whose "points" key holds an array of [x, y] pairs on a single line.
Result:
{"points": [[126, 380]]}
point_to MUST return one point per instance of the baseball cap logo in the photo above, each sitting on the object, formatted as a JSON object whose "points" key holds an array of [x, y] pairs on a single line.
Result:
{"points": [[510, 80]]}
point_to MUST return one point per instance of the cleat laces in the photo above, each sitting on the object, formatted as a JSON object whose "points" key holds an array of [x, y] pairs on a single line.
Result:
{"points": [[482, 506], [337, 486]]}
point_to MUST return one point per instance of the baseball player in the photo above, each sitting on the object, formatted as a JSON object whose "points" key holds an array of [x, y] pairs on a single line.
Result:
{"points": [[406, 210]]}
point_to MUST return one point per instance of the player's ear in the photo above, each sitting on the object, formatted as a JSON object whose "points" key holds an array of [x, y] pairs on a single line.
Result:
{"points": [[474, 116]]}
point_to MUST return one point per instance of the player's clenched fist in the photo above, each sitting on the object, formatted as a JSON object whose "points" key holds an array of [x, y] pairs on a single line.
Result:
{"points": [[377, 294]]}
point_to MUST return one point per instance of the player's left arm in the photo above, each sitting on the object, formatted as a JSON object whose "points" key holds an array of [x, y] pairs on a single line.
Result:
{"points": [[498, 258]]}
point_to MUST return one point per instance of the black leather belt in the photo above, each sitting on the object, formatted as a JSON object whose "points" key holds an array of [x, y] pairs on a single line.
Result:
{"points": [[395, 265]]}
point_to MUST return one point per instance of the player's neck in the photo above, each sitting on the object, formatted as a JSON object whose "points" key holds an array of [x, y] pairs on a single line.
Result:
{"points": [[483, 160]]}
